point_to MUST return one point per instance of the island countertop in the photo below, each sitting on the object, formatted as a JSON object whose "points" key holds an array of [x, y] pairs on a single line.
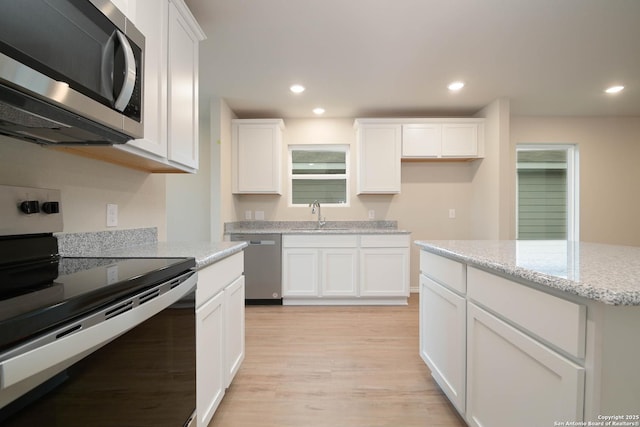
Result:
{"points": [[600, 272]]}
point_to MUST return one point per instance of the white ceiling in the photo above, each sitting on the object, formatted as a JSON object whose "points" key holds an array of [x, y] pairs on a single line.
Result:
{"points": [[368, 58]]}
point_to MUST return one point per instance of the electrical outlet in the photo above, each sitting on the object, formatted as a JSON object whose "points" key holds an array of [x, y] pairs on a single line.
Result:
{"points": [[112, 215], [452, 213], [372, 214], [247, 215]]}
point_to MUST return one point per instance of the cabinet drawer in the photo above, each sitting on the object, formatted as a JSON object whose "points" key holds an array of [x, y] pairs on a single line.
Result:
{"points": [[309, 241], [214, 278], [446, 271], [384, 241], [560, 322]]}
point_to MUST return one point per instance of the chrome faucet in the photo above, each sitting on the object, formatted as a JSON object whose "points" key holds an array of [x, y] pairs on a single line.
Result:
{"points": [[313, 206]]}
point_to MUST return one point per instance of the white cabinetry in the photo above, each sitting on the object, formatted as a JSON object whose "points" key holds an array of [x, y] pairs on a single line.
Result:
{"points": [[384, 266], [219, 332], [440, 139], [378, 161], [504, 353], [443, 338], [512, 379], [256, 154], [339, 269], [319, 266], [171, 87], [210, 383]]}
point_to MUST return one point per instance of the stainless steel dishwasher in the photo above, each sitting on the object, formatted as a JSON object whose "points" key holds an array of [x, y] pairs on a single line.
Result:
{"points": [[262, 267]]}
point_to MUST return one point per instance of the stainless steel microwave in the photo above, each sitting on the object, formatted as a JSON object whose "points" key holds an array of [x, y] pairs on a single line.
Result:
{"points": [[71, 72]]}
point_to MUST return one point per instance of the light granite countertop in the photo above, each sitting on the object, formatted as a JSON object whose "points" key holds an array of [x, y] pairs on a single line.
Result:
{"points": [[605, 273], [311, 227], [205, 253]]}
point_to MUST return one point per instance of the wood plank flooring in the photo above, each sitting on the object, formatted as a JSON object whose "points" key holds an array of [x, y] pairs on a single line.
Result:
{"points": [[334, 367]]}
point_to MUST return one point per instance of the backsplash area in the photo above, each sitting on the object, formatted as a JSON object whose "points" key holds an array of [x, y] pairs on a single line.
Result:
{"points": [[86, 244]]}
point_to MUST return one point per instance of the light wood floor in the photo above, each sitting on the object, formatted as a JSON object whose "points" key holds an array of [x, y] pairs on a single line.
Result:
{"points": [[334, 367]]}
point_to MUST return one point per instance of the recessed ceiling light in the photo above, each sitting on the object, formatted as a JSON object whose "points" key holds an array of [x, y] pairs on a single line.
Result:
{"points": [[455, 86], [614, 89], [318, 110], [297, 88]]}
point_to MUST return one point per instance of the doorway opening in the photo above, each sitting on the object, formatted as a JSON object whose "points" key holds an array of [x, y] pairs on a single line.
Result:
{"points": [[547, 192]]}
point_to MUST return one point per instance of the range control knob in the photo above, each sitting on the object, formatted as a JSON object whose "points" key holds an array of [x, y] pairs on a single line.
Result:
{"points": [[30, 207], [51, 207]]}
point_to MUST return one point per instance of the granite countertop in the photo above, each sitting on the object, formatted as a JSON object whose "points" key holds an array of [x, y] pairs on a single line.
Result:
{"points": [[311, 227], [142, 243], [205, 253], [605, 273]]}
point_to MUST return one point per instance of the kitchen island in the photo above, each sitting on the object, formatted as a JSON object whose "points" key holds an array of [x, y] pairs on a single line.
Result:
{"points": [[533, 332]]}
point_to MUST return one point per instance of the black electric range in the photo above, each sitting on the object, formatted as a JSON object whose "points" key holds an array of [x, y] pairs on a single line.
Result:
{"points": [[34, 299]]}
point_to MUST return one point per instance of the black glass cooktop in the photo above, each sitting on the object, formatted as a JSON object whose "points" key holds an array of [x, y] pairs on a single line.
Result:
{"points": [[78, 286]]}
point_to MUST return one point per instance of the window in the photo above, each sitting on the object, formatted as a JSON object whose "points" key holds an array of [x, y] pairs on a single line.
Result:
{"points": [[319, 172], [547, 207]]}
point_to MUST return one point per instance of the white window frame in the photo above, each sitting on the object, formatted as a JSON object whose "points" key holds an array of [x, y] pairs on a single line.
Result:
{"points": [[573, 184], [320, 147]]}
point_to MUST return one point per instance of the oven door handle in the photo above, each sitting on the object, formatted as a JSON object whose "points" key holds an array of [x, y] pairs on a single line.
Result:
{"points": [[76, 342]]}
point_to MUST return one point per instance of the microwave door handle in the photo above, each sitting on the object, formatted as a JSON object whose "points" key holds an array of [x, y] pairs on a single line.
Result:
{"points": [[130, 74]]}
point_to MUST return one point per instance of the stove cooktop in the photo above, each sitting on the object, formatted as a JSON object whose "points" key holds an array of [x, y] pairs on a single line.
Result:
{"points": [[82, 285]]}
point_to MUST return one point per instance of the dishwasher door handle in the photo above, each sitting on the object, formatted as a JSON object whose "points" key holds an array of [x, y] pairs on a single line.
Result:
{"points": [[262, 242]]}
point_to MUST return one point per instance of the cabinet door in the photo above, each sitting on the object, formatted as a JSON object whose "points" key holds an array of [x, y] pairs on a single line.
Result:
{"points": [[257, 157], [460, 140], [384, 272], [300, 272], [182, 90], [421, 140], [339, 272], [234, 328], [443, 338], [152, 21], [379, 149], [210, 342], [514, 380]]}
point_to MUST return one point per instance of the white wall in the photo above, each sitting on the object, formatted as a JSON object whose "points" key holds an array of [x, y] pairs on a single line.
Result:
{"points": [[87, 186], [188, 203]]}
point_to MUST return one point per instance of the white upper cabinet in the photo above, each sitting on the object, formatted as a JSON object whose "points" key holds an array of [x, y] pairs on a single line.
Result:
{"points": [[170, 110], [183, 86], [153, 23], [256, 153], [379, 149], [421, 140], [443, 138]]}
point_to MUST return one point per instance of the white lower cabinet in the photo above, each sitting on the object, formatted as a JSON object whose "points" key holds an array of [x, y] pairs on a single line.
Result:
{"points": [[339, 272], [210, 372], [384, 272], [504, 353], [300, 274], [219, 332], [345, 268], [234, 328], [512, 379], [319, 266], [443, 339]]}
